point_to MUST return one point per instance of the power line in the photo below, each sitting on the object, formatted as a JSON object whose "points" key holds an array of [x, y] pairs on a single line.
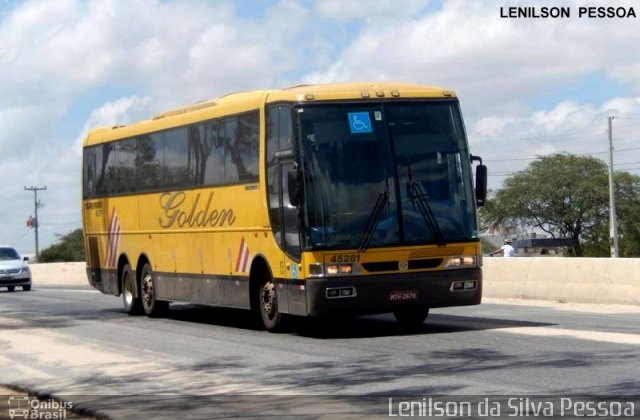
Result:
{"points": [[512, 160], [20, 238], [61, 224], [579, 154]]}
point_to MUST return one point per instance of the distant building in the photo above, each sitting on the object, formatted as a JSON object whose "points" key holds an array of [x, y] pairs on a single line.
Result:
{"points": [[534, 247]]}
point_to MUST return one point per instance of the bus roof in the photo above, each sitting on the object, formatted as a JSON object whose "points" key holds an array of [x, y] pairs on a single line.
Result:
{"points": [[246, 101]]}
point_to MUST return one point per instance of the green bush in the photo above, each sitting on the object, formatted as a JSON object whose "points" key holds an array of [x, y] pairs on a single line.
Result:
{"points": [[69, 248]]}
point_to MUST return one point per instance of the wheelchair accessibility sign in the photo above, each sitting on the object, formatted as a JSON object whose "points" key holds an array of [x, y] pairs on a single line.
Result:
{"points": [[359, 122]]}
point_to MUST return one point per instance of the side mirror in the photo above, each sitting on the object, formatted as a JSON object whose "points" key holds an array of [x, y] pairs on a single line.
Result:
{"points": [[295, 187], [25, 259], [481, 181], [481, 185]]}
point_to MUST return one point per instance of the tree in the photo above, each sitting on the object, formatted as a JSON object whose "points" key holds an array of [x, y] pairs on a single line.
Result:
{"points": [[70, 247], [627, 205], [567, 196]]}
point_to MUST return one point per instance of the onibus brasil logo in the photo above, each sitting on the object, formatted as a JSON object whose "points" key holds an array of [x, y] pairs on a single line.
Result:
{"points": [[31, 407]]}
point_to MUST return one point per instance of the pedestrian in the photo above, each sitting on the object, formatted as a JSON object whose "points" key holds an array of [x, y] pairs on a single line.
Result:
{"points": [[506, 250]]}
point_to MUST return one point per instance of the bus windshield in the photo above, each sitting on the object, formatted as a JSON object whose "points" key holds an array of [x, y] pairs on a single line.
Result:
{"points": [[393, 173]]}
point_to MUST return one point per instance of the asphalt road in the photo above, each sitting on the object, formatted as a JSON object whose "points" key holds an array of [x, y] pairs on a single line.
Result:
{"points": [[202, 362]]}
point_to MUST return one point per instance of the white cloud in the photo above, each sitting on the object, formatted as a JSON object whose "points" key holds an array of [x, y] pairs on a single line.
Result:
{"points": [[509, 143], [497, 66], [121, 112], [468, 47], [167, 53], [368, 9]]}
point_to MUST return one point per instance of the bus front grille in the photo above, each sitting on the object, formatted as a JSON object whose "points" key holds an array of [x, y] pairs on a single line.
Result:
{"points": [[376, 267]]}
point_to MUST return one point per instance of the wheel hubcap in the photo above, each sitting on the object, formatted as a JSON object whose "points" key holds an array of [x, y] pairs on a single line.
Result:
{"points": [[269, 300], [128, 292], [147, 289]]}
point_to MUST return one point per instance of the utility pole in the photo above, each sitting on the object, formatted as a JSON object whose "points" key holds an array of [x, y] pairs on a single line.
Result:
{"points": [[613, 222], [36, 204]]}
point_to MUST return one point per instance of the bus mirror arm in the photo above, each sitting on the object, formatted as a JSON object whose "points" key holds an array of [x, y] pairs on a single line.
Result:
{"points": [[294, 186], [481, 181]]}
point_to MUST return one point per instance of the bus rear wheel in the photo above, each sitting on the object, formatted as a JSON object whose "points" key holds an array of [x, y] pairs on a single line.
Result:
{"points": [[150, 303], [411, 316], [268, 305], [132, 304]]}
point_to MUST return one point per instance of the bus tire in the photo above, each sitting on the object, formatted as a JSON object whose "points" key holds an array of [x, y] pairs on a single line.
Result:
{"points": [[272, 319], [132, 304], [11, 288], [411, 316], [152, 307]]}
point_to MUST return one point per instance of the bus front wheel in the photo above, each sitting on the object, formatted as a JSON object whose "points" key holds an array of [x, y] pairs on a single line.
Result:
{"points": [[132, 304], [411, 316], [150, 303], [268, 305]]}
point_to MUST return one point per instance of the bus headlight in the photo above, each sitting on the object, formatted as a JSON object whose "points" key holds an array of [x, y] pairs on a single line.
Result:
{"points": [[333, 269], [461, 261], [318, 270]]}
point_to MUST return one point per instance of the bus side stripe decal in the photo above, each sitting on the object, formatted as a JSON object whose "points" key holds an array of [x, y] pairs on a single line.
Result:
{"points": [[243, 257], [240, 254], [113, 241], [245, 260], [107, 258], [116, 246]]}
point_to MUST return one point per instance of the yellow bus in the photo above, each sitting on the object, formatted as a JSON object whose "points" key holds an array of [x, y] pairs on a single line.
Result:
{"points": [[311, 200]]}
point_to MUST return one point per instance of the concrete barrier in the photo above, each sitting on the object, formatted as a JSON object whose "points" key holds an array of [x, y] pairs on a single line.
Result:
{"points": [[580, 280], [59, 273]]}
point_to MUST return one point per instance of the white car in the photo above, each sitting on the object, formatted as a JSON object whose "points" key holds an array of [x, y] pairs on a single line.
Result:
{"points": [[14, 270]]}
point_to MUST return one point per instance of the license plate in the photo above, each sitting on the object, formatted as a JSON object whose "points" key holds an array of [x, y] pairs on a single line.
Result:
{"points": [[6, 277], [403, 295]]}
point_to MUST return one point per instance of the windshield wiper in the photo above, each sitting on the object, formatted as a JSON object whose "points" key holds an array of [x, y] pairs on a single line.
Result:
{"points": [[374, 218], [417, 194]]}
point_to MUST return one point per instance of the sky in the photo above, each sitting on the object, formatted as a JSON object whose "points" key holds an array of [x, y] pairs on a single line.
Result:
{"points": [[528, 87]]}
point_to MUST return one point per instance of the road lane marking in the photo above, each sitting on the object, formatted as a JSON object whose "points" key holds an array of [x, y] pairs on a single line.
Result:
{"points": [[602, 336], [596, 308], [67, 290]]}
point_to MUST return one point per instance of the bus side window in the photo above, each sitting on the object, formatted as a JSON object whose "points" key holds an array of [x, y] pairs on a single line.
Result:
{"points": [[247, 145], [283, 216], [214, 169], [92, 160], [107, 169], [232, 162], [285, 140], [273, 172], [125, 180], [149, 161], [176, 170]]}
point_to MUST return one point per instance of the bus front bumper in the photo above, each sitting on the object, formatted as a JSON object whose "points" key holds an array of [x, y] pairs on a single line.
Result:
{"points": [[385, 293]]}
